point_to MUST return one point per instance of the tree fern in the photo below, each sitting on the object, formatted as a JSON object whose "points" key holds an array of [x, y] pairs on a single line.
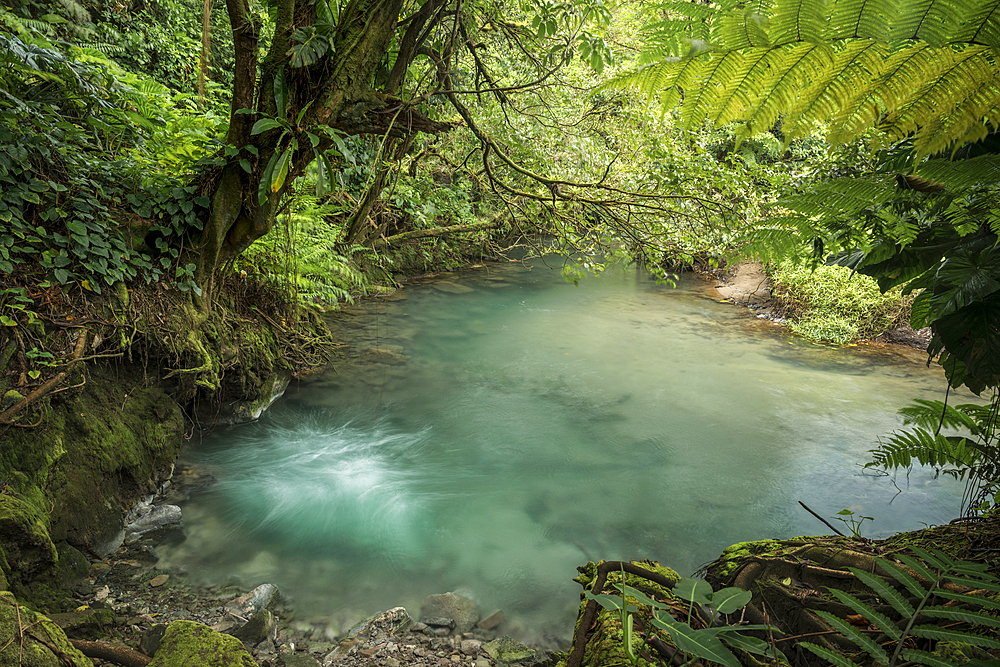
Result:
{"points": [[940, 86]]}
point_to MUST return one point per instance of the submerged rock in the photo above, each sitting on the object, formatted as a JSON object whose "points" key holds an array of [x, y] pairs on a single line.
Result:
{"points": [[458, 608], [505, 649], [259, 598]]}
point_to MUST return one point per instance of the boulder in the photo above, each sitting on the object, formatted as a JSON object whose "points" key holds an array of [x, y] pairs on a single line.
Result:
{"points": [[188, 643], [452, 606], [384, 624], [160, 522], [42, 643]]}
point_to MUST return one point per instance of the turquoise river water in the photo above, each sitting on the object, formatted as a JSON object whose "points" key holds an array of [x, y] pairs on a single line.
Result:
{"points": [[488, 431]]}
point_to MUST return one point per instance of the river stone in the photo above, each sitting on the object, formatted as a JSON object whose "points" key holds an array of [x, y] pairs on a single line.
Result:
{"points": [[160, 522], [493, 621], [505, 649], [387, 623], [297, 660], [42, 640], [150, 640], [257, 629], [190, 643], [451, 288], [450, 605], [259, 598]]}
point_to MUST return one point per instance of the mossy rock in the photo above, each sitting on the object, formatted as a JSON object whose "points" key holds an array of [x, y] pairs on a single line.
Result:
{"points": [[188, 643], [24, 537], [29, 639], [605, 644]]}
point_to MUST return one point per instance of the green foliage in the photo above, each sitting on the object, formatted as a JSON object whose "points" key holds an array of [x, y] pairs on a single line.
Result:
{"points": [[73, 153], [967, 448], [829, 303], [926, 590], [305, 259], [852, 65], [853, 521], [711, 643]]}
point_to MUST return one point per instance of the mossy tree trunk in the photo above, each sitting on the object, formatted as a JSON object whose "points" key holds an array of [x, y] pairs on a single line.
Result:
{"points": [[315, 76]]}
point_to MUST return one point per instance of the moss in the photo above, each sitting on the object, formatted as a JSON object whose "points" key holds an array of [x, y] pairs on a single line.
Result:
{"points": [[29, 639], [960, 653], [731, 556], [188, 643], [24, 536]]}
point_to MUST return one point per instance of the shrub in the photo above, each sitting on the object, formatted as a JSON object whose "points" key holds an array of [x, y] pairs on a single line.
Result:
{"points": [[831, 304]]}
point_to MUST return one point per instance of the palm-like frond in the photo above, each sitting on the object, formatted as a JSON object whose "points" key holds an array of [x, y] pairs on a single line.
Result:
{"points": [[926, 69]]}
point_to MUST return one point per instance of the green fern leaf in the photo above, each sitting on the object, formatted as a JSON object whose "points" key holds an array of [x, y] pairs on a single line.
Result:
{"points": [[970, 617], [925, 658], [903, 577], [982, 601], [852, 633], [949, 635], [881, 621], [884, 591], [795, 21], [976, 584], [827, 654]]}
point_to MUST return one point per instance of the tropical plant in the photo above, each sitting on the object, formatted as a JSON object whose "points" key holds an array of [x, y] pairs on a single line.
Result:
{"points": [[829, 303], [904, 605], [710, 643], [958, 440]]}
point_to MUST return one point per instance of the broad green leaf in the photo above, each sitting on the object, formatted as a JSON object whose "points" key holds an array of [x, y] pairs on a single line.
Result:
{"points": [[265, 180], [702, 644], [7, 321], [852, 633], [753, 645], [263, 125], [885, 591], [280, 92], [728, 600], [609, 602], [641, 597], [281, 170], [694, 590]]}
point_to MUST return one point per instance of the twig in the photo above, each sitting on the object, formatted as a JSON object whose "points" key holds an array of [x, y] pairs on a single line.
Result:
{"points": [[821, 519]]}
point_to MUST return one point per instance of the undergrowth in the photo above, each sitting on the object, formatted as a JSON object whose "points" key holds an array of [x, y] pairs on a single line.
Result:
{"points": [[831, 304]]}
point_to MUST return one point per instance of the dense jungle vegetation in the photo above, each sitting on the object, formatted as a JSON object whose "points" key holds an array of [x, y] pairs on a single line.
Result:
{"points": [[184, 185]]}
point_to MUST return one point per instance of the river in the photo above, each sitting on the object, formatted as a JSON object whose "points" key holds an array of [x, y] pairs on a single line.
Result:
{"points": [[488, 431]]}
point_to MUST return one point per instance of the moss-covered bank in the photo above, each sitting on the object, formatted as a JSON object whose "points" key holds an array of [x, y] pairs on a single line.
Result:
{"points": [[107, 410]]}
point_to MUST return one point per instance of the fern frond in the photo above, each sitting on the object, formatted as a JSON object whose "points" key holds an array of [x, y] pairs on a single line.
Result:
{"points": [[963, 174], [801, 63], [742, 30], [879, 620], [920, 112], [922, 446], [847, 80], [862, 640], [931, 414], [983, 26], [795, 21], [860, 19]]}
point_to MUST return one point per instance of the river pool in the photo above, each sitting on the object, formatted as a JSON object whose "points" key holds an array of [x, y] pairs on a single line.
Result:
{"points": [[489, 430]]}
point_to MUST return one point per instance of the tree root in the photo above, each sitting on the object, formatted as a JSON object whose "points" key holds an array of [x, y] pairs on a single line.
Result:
{"points": [[587, 618], [116, 653], [7, 416]]}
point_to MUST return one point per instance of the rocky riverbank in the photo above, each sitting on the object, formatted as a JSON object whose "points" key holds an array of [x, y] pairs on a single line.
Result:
{"points": [[127, 600]]}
